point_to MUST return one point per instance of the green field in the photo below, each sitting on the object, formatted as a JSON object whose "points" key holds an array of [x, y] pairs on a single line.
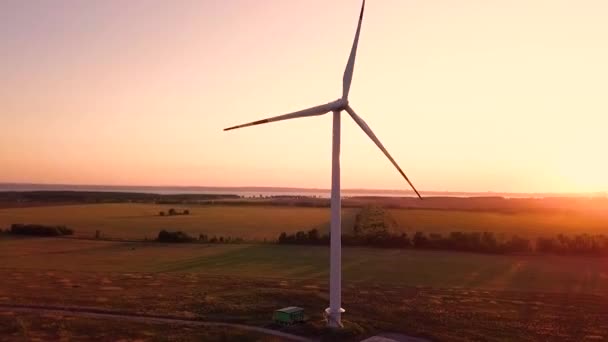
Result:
{"points": [[525, 224], [360, 265], [138, 221]]}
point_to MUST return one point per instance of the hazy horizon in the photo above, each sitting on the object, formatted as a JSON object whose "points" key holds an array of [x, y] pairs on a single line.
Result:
{"points": [[507, 97], [7, 186]]}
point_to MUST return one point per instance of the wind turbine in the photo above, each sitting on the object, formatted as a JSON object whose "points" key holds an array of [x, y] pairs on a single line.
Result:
{"points": [[334, 312]]}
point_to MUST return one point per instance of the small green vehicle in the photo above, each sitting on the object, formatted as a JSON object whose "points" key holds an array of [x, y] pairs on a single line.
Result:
{"points": [[288, 315]]}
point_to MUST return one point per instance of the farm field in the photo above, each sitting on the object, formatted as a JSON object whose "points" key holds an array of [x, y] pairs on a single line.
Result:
{"points": [[140, 221], [524, 224], [360, 265], [445, 314], [442, 296], [19, 326]]}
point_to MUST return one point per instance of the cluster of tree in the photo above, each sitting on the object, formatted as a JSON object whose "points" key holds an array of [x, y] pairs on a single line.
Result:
{"points": [[373, 220], [39, 230], [218, 239], [485, 242], [173, 212], [374, 226], [179, 236], [176, 236], [574, 245], [456, 241], [311, 237], [382, 239]]}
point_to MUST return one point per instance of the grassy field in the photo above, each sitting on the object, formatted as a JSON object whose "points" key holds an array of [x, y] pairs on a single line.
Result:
{"points": [[138, 221], [360, 265], [17, 326], [444, 296], [447, 314], [441, 295], [525, 224]]}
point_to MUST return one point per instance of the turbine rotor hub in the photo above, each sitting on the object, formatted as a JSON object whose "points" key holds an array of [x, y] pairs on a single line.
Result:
{"points": [[343, 103]]}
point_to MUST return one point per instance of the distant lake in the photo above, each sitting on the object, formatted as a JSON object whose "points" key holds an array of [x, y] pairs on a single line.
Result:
{"points": [[169, 190], [264, 191]]}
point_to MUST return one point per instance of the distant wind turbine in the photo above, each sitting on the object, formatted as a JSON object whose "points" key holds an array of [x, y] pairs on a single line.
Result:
{"points": [[334, 312]]}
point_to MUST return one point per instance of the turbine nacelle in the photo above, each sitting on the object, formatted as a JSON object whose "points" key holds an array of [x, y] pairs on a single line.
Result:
{"points": [[341, 104]]}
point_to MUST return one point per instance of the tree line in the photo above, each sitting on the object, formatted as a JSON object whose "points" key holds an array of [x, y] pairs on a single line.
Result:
{"points": [[375, 227], [39, 230], [180, 237], [479, 242], [75, 196], [582, 244], [173, 212]]}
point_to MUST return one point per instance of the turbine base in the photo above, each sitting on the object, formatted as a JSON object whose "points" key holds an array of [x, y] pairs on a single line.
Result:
{"points": [[334, 319]]}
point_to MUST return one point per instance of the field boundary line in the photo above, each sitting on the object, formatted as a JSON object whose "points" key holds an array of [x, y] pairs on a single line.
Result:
{"points": [[92, 312]]}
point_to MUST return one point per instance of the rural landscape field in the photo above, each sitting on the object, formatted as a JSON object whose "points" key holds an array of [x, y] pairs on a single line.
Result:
{"points": [[259, 222], [433, 294], [138, 221], [349, 171]]}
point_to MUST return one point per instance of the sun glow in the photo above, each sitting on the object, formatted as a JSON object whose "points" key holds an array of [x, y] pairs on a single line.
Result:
{"points": [[583, 171]]}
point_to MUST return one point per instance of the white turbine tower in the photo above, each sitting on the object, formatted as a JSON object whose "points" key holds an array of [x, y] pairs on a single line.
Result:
{"points": [[334, 312]]}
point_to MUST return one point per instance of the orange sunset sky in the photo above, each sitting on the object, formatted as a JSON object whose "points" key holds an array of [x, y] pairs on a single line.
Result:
{"points": [[471, 95]]}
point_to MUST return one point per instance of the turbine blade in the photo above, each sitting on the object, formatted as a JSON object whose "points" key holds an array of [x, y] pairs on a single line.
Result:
{"points": [[350, 66], [318, 110], [375, 139]]}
